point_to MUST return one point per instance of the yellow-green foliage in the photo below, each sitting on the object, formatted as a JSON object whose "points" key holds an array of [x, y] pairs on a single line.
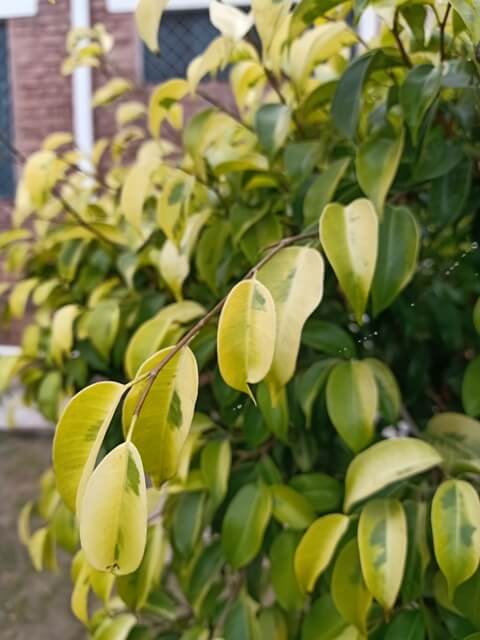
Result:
{"points": [[254, 326]]}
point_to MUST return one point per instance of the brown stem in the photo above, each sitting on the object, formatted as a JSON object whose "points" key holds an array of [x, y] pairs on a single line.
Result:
{"points": [[190, 335], [276, 87], [221, 107], [443, 25], [398, 40]]}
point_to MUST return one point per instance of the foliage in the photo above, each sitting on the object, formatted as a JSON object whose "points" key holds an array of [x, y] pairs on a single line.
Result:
{"points": [[310, 473]]}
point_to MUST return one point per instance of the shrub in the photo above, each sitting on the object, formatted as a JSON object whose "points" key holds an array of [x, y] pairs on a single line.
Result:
{"points": [[298, 485]]}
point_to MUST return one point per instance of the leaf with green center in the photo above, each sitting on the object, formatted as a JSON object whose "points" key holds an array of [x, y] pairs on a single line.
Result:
{"points": [[317, 547], [113, 520], [456, 531], [102, 326], [167, 412], [349, 237], [382, 544], [291, 508], [79, 436]]}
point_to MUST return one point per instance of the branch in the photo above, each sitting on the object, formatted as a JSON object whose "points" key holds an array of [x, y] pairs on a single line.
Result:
{"points": [[22, 159], [443, 25], [190, 335], [398, 40], [221, 107]]}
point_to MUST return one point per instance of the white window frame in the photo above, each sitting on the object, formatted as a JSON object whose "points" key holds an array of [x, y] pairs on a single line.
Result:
{"points": [[18, 8], [128, 6]]}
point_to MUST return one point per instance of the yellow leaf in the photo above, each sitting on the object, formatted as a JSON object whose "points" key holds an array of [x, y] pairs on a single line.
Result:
{"points": [[382, 544], [61, 341], [150, 335], [113, 520], [113, 89], [385, 463], [56, 140], [294, 277], [246, 335], [135, 190], [349, 237], [174, 262], [230, 21], [129, 112], [166, 416], [147, 17], [317, 547], [348, 589], [81, 588], [172, 207], [19, 295], [79, 436], [164, 98]]}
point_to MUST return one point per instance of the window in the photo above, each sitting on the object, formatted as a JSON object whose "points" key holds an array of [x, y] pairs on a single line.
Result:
{"points": [[6, 164], [182, 36]]}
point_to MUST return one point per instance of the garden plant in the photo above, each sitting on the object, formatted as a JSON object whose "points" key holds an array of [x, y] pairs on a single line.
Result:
{"points": [[257, 330]]}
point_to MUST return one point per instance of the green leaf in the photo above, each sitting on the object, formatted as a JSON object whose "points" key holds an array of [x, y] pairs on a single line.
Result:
{"points": [[418, 552], [456, 531], [383, 464], [244, 524], [346, 104], [284, 580], [352, 400], [188, 522], [272, 124], [349, 237], [328, 337], [294, 277], [273, 624], [469, 11], [322, 190], [215, 463], [113, 516], [317, 547], [407, 625], [273, 405], [399, 244], [246, 335], [241, 622], [102, 326], [291, 508], [210, 253], [382, 544], [323, 622], [135, 588], [164, 421], [470, 388], [449, 193], [312, 383], [417, 93], [79, 436], [301, 157], [376, 165], [205, 572], [388, 390], [322, 491], [348, 589], [476, 316]]}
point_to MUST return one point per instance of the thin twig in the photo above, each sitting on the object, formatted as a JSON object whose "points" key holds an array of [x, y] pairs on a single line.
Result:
{"points": [[221, 107], [443, 25], [398, 40], [22, 159], [276, 88], [190, 335]]}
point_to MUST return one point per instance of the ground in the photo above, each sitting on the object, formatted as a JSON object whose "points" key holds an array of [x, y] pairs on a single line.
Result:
{"points": [[32, 605]]}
